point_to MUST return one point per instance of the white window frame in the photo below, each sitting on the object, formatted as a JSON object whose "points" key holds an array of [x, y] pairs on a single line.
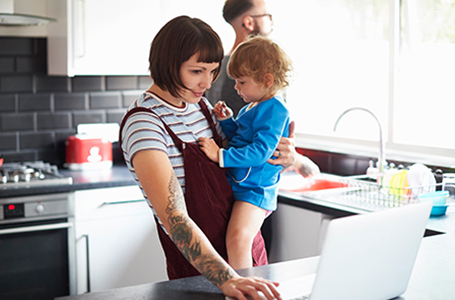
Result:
{"points": [[393, 150]]}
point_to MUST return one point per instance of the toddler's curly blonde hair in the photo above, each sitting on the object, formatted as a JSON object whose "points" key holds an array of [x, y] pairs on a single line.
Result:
{"points": [[258, 56]]}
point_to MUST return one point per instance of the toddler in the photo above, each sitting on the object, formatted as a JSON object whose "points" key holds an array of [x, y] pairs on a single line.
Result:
{"points": [[260, 69]]}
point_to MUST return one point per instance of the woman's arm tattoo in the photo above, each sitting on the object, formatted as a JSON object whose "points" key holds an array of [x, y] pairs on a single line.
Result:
{"points": [[181, 229], [181, 232], [176, 199], [182, 235], [214, 270]]}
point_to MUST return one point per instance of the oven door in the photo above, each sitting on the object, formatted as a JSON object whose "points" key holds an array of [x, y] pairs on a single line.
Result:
{"points": [[36, 260]]}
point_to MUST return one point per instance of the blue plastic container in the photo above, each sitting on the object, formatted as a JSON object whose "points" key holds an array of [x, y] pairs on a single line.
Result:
{"points": [[438, 198], [439, 210]]}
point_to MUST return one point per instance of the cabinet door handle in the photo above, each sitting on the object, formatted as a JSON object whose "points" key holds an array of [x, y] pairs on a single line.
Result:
{"points": [[79, 29], [36, 228], [87, 253], [123, 202]]}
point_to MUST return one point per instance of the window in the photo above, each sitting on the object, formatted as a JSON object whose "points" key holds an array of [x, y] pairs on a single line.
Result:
{"points": [[394, 58], [426, 75]]}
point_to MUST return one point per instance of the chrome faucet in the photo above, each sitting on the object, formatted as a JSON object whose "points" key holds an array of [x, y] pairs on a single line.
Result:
{"points": [[382, 163]]}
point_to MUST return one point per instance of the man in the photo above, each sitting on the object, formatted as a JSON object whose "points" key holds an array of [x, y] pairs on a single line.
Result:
{"points": [[250, 17], [247, 17]]}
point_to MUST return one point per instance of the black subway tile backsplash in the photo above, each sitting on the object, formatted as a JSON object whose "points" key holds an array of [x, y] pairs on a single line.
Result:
{"points": [[70, 101], [130, 96], [7, 65], [115, 116], [18, 122], [121, 83], [26, 155], [144, 82], [52, 84], [53, 156], [7, 103], [54, 121], [81, 117], [16, 83], [36, 140], [87, 83], [362, 165], [17, 46], [34, 102], [31, 65], [100, 100], [62, 135], [345, 166], [8, 141]]}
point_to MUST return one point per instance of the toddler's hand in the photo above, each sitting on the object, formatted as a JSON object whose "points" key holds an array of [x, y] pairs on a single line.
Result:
{"points": [[221, 110]]}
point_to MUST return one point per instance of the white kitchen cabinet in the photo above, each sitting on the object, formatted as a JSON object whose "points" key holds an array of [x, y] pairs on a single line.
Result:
{"points": [[117, 243], [296, 233], [113, 37]]}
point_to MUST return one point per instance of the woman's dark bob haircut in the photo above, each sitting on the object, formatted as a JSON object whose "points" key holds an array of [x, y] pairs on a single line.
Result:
{"points": [[175, 43]]}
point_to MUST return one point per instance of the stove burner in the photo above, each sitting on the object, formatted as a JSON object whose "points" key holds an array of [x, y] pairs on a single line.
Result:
{"points": [[26, 174]]}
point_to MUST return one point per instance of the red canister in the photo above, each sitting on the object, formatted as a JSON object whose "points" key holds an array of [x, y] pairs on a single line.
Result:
{"points": [[88, 152]]}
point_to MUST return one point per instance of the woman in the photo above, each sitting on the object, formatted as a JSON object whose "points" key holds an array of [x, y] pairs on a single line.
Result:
{"points": [[189, 195]]}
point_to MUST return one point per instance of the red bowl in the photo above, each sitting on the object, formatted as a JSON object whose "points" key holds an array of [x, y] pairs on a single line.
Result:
{"points": [[320, 184]]}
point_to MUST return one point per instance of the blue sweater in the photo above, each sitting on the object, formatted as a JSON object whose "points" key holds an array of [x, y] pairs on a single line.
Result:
{"points": [[253, 137]]}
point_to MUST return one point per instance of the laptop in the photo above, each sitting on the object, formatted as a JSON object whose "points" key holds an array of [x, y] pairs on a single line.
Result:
{"points": [[365, 257]]}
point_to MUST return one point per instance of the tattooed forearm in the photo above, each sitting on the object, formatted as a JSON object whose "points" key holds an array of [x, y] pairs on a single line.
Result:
{"points": [[182, 235], [181, 230], [176, 199], [214, 270]]}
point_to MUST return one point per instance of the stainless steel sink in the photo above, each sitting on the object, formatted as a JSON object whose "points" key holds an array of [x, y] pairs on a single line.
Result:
{"points": [[361, 192]]}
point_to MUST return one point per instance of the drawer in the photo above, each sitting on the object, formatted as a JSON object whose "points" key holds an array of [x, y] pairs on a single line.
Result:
{"points": [[110, 203]]}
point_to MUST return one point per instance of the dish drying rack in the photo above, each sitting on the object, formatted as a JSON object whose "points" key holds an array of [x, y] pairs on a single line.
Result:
{"points": [[367, 190]]}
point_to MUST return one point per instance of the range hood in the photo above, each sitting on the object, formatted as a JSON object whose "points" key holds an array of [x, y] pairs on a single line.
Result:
{"points": [[12, 14]]}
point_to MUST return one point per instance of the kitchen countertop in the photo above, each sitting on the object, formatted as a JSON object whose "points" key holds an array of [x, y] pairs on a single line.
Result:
{"points": [[118, 175], [432, 278], [198, 287]]}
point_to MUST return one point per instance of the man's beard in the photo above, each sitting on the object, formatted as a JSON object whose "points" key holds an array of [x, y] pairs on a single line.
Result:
{"points": [[258, 32]]}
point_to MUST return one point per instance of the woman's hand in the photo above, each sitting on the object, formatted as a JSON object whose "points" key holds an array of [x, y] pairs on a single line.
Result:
{"points": [[210, 148], [288, 157], [285, 151], [237, 287]]}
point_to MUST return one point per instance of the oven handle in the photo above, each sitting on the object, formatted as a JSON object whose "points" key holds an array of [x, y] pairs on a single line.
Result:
{"points": [[36, 228], [87, 253]]}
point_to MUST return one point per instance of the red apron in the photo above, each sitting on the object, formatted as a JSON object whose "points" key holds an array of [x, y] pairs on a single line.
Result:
{"points": [[209, 200]]}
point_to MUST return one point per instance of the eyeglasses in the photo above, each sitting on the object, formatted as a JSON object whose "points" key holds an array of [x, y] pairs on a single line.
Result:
{"points": [[263, 15]]}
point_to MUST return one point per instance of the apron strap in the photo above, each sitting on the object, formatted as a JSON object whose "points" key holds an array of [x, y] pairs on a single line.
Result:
{"points": [[207, 115]]}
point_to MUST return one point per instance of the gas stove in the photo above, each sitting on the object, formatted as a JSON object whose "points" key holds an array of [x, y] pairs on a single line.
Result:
{"points": [[31, 174]]}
